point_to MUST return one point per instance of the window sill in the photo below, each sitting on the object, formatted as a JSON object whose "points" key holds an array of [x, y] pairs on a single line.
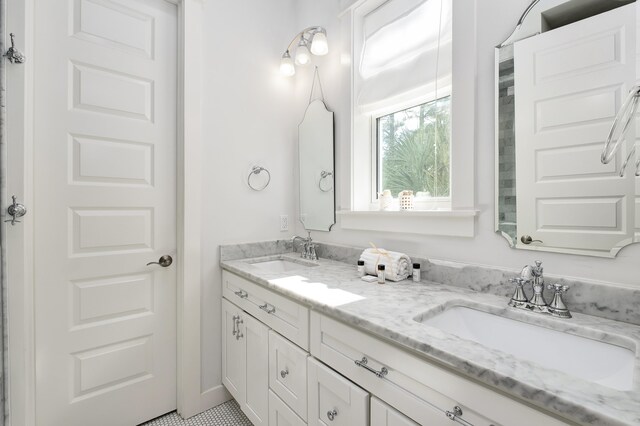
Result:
{"points": [[453, 223]]}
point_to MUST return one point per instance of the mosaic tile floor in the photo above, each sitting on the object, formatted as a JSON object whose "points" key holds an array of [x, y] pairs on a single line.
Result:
{"points": [[227, 414]]}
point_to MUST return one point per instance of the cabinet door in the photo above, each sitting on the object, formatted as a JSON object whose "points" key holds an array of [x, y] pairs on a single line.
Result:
{"points": [[334, 400], [288, 373], [233, 354], [383, 415], [280, 414], [255, 402]]}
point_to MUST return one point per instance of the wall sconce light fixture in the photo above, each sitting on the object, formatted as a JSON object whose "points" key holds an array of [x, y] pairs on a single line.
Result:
{"points": [[310, 41]]}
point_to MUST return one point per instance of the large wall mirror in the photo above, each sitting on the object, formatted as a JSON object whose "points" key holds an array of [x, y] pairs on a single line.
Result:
{"points": [[562, 79], [315, 148]]}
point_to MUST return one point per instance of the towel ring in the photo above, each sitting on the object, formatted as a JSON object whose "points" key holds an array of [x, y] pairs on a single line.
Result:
{"points": [[630, 159], [620, 125], [256, 170], [323, 176]]}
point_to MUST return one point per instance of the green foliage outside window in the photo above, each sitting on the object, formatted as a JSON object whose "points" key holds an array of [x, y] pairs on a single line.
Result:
{"points": [[414, 149]]}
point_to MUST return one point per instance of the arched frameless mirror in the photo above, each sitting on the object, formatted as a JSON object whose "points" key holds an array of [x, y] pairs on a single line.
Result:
{"points": [[316, 146], [561, 79]]}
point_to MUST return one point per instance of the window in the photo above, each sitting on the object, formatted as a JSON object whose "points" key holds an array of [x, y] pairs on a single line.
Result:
{"points": [[402, 87], [408, 56], [413, 150]]}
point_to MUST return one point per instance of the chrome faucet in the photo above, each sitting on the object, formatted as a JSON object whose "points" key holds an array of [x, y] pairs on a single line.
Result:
{"points": [[308, 247], [534, 274]]}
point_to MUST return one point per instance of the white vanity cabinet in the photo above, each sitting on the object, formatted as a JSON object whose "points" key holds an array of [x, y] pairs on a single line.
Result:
{"points": [[245, 363], [287, 317], [422, 391], [384, 415], [334, 400], [350, 377]]}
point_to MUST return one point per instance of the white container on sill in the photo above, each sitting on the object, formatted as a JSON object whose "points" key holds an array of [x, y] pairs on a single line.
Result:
{"points": [[386, 200], [405, 199]]}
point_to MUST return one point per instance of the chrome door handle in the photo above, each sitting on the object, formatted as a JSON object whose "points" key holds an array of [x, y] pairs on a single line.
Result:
{"points": [[15, 210], [526, 239], [13, 54], [332, 414], [284, 373], [164, 261], [363, 363]]}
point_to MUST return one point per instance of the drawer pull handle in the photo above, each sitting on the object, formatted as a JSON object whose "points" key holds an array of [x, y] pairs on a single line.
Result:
{"points": [[363, 363], [268, 309], [284, 373], [241, 294], [238, 322], [453, 415], [332, 414], [235, 319]]}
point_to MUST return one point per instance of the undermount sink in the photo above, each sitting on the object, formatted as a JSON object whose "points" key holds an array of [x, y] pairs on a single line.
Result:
{"points": [[592, 360], [281, 265]]}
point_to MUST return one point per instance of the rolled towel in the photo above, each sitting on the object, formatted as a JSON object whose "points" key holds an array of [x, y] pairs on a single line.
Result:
{"points": [[397, 265]]}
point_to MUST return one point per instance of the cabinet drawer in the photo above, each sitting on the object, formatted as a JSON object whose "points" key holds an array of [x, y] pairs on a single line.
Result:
{"points": [[280, 414], [288, 373], [383, 415], [412, 385], [281, 314], [334, 400]]}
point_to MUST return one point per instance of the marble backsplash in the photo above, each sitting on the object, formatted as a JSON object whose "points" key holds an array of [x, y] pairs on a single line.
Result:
{"points": [[599, 299]]}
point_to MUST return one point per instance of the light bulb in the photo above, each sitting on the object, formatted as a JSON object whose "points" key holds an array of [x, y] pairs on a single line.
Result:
{"points": [[286, 65], [319, 45], [302, 53]]}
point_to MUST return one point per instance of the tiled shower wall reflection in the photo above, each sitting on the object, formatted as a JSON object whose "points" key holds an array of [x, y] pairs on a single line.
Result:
{"points": [[506, 143]]}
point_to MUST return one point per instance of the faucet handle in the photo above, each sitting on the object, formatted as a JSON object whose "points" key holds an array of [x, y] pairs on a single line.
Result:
{"points": [[519, 298], [519, 281], [558, 288], [537, 269], [557, 307]]}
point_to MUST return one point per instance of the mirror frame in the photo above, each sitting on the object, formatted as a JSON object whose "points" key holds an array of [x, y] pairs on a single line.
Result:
{"points": [[333, 167], [528, 27]]}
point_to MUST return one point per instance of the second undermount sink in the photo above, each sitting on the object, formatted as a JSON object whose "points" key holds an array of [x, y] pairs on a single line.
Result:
{"points": [[282, 265], [592, 360]]}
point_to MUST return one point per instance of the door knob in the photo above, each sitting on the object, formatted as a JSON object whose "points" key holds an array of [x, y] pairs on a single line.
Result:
{"points": [[526, 239], [164, 261], [332, 414], [15, 210]]}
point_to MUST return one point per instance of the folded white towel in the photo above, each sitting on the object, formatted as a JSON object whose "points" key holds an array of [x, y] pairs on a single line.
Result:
{"points": [[397, 265]]}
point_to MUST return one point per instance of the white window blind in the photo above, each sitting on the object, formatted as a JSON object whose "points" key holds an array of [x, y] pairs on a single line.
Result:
{"points": [[400, 60]]}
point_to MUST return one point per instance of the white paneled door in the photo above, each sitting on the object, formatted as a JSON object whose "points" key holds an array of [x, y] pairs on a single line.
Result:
{"points": [[570, 82], [104, 206]]}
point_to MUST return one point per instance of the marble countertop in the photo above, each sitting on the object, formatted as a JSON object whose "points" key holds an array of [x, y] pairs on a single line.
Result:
{"points": [[389, 311]]}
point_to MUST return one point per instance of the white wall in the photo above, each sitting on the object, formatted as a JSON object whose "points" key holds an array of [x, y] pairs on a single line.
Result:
{"points": [[247, 113], [495, 21]]}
